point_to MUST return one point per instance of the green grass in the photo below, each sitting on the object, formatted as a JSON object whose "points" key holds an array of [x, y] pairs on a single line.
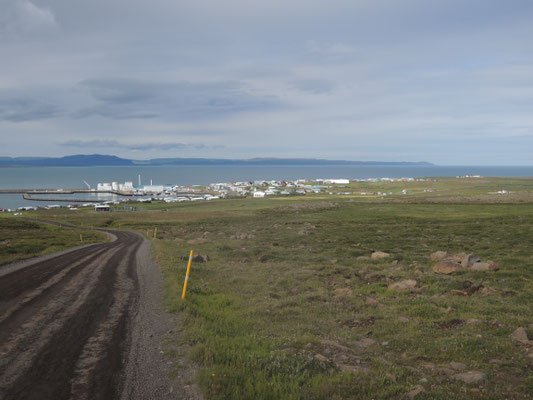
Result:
{"points": [[260, 311], [21, 239], [286, 306]]}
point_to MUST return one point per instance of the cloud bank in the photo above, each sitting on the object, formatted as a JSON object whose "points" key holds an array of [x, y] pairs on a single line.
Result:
{"points": [[359, 80]]}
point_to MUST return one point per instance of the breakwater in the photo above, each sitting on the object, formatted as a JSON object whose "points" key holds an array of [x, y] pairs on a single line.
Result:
{"points": [[28, 194], [63, 191]]}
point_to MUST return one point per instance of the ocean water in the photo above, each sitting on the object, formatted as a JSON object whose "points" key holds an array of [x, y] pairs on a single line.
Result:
{"points": [[73, 177]]}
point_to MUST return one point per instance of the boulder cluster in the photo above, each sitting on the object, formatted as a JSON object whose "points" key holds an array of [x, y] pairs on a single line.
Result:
{"points": [[448, 264]]}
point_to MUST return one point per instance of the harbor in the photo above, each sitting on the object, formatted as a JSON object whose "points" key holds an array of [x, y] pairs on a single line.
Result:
{"points": [[48, 187]]}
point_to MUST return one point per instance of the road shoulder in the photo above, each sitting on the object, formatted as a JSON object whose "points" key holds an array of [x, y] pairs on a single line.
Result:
{"points": [[147, 374]]}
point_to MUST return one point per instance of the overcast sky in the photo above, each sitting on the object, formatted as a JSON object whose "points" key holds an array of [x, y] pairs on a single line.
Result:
{"points": [[450, 82]]}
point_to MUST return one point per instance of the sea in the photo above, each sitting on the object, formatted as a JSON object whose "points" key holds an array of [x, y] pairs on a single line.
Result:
{"points": [[74, 177]]}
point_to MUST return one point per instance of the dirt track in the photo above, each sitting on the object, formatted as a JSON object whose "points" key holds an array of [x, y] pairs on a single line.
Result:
{"points": [[65, 322]]}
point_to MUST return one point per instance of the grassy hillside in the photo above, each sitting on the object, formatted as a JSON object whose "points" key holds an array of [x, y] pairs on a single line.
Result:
{"points": [[21, 239], [291, 305]]}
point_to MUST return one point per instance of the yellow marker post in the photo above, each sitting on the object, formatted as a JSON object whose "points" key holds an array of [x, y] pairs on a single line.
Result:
{"points": [[155, 233], [187, 276]]}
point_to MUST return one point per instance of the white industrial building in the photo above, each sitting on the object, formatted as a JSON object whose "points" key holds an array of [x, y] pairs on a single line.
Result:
{"points": [[115, 186], [337, 181]]}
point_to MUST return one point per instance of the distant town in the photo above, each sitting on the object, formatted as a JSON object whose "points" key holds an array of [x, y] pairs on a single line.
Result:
{"points": [[128, 192], [107, 194]]}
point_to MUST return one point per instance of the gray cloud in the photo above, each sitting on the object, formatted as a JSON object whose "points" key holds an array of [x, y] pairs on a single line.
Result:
{"points": [[314, 86], [130, 98], [343, 79], [21, 17], [145, 146], [22, 110]]}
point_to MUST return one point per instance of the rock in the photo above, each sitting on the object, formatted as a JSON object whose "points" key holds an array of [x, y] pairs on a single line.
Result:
{"points": [[447, 267], [343, 291], [471, 377], [377, 255], [337, 345], [409, 284], [520, 335], [403, 319], [427, 365], [197, 241], [242, 236], [352, 368], [321, 358], [201, 258], [488, 291], [446, 371], [450, 310], [416, 391], [457, 366], [362, 258], [366, 342], [391, 376], [459, 292], [371, 301], [458, 258], [438, 255], [484, 266], [469, 260]]}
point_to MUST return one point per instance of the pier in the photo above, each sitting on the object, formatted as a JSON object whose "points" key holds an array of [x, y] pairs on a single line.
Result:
{"points": [[62, 191], [27, 194]]}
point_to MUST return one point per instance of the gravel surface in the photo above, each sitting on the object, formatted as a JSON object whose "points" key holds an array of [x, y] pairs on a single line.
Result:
{"points": [[87, 323], [148, 368]]}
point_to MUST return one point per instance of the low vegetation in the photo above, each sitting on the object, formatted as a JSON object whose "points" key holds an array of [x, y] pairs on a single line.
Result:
{"points": [[291, 305], [21, 239]]}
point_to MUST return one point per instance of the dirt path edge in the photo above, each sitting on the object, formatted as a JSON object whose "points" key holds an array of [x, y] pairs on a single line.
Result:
{"points": [[152, 332]]}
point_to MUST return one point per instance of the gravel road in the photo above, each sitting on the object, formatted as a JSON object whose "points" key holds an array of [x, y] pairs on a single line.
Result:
{"points": [[86, 324]]}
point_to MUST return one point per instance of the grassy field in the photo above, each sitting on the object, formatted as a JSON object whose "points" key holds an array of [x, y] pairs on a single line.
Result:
{"points": [[288, 308], [291, 306], [443, 189], [21, 239]]}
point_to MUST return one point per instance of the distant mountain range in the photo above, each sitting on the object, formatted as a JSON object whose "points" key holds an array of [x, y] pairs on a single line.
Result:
{"points": [[94, 160]]}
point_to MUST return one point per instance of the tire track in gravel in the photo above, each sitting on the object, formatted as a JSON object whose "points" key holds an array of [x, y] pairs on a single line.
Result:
{"points": [[32, 276], [15, 310], [64, 320]]}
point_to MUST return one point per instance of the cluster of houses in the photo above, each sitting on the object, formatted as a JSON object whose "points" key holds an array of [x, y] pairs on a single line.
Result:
{"points": [[47, 207], [262, 188], [256, 189]]}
